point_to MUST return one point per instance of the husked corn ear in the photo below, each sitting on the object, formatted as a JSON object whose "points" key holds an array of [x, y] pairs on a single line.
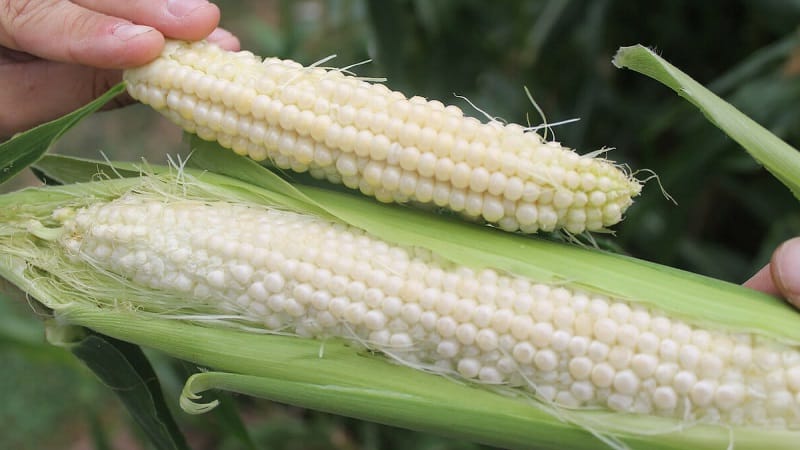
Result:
{"points": [[396, 149], [301, 274]]}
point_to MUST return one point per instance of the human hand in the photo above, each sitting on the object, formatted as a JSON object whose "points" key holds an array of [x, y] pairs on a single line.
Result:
{"points": [[56, 55], [781, 277]]}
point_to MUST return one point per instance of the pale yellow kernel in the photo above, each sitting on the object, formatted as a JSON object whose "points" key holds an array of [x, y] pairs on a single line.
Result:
{"points": [[460, 175], [476, 153], [363, 143], [603, 375], [409, 134], [479, 179], [427, 164], [444, 167], [492, 209], [407, 184], [424, 190], [427, 139], [444, 144], [390, 178], [409, 158], [702, 393]]}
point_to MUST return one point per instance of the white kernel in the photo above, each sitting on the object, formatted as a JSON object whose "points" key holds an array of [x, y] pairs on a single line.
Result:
{"points": [[216, 278], [728, 396], [793, 378], [597, 351], [619, 357], [448, 348], [546, 360], [647, 342], [274, 282], [524, 352], [400, 340], [702, 393], [446, 326], [466, 333], [541, 334], [469, 367], [374, 320], [486, 339], [644, 365], [605, 330], [580, 367], [489, 374], [582, 390], [664, 398], [626, 382], [689, 356], [684, 381], [603, 375]]}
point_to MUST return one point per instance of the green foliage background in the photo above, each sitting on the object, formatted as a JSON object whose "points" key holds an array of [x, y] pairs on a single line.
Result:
{"points": [[730, 213]]}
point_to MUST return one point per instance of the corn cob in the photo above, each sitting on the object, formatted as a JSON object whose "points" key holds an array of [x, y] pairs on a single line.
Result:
{"points": [[396, 149], [299, 274]]}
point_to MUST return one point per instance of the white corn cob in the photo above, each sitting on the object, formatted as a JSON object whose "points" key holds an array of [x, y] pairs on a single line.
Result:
{"points": [[349, 131], [301, 274]]}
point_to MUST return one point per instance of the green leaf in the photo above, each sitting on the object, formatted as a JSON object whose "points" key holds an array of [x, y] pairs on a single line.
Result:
{"points": [[124, 369], [69, 169], [781, 159], [226, 412], [27, 147]]}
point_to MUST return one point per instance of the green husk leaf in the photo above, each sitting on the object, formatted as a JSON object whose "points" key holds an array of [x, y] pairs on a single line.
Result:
{"points": [[24, 149], [123, 368], [781, 159]]}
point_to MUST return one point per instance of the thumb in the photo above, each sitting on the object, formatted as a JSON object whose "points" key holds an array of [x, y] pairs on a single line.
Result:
{"points": [[63, 31], [785, 270]]}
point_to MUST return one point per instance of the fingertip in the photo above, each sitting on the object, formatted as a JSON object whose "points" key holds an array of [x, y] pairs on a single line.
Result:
{"points": [[762, 281], [224, 39], [785, 270], [192, 20], [129, 45]]}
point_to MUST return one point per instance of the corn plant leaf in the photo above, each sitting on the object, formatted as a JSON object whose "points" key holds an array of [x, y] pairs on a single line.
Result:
{"points": [[781, 159], [19, 152], [124, 369]]}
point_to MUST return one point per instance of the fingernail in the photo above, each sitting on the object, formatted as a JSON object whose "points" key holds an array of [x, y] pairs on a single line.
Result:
{"points": [[788, 267], [182, 8], [219, 34], [128, 31]]}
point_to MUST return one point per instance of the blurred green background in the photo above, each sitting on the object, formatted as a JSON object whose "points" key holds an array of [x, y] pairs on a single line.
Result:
{"points": [[730, 214]]}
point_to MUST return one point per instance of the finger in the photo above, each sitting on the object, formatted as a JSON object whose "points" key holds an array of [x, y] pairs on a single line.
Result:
{"points": [[66, 32], [785, 270], [762, 281], [44, 90], [181, 19], [225, 39]]}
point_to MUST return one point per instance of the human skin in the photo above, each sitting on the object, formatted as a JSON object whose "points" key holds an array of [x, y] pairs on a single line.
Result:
{"points": [[56, 55], [781, 277]]}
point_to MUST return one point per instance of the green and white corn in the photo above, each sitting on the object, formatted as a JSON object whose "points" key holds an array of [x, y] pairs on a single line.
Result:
{"points": [[294, 273], [298, 274], [396, 149]]}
